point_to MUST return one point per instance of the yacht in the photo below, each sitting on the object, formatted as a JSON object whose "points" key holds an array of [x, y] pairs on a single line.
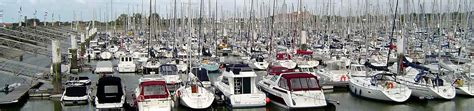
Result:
{"points": [[106, 55], [381, 86], [258, 62], [237, 87], [152, 95], [284, 59], [104, 67], [75, 95], [171, 75], [110, 94], [294, 90], [152, 66], [126, 64]]}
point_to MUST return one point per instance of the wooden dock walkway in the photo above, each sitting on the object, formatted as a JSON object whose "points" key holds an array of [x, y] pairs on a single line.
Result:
{"points": [[17, 93]]}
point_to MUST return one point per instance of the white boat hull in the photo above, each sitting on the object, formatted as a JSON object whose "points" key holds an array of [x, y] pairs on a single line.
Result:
{"points": [[126, 68], [362, 87], [201, 100]]}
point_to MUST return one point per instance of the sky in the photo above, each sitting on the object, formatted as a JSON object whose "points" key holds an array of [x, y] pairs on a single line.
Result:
{"points": [[67, 10]]}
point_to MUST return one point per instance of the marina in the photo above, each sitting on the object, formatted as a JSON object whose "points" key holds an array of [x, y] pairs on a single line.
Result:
{"points": [[237, 55]]}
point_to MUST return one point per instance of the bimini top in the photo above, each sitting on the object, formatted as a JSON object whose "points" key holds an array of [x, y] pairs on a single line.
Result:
{"points": [[76, 91], [277, 70], [299, 81], [200, 73], [304, 52], [109, 90], [153, 89], [283, 56]]}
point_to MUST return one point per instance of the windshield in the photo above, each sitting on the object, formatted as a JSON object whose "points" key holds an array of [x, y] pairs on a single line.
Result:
{"points": [[168, 70], [154, 90], [304, 84]]}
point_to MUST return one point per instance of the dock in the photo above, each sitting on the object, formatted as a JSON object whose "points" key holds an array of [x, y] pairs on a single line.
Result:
{"points": [[17, 94]]}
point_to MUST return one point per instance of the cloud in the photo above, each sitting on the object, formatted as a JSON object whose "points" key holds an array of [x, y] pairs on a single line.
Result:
{"points": [[33, 2]]}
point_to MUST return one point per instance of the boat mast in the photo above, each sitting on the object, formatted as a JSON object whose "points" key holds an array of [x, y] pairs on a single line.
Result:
{"points": [[391, 33]]}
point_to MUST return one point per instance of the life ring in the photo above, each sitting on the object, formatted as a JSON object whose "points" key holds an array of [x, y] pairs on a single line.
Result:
{"points": [[389, 85], [141, 98], [343, 78]]}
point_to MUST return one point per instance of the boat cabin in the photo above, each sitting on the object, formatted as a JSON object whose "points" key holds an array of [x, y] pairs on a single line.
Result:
{"points": [[240, 78], [297, 81], [110, 90], [168, 69], [277, 70], [126, 59], [283, 56], [153, 90]]}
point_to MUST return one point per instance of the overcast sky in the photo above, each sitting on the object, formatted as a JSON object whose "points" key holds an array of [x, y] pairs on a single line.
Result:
{"points": [[65, 8]]}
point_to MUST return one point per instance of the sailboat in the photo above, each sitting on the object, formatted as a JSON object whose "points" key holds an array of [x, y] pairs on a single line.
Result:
{"points": [[193, 94], [381, 86]]}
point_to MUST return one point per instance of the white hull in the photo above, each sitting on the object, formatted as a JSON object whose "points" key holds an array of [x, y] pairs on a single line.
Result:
{"points": [[201, 100], [259, 65], [361, 86], [439, 92], [126, 67], [155, 105], [465, 90], [287, 64], [295, 99], [106, 55]]}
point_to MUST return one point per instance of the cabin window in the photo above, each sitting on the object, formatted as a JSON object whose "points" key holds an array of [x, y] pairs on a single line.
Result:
{"points": [[242, 85], [154, 90], [304, 84], [274, 78], [311, 70], [111, 89], [225, 80], [283, 83], [312, 83], [122, 59]]}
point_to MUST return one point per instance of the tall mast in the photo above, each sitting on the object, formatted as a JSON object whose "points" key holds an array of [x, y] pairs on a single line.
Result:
{"points": [[393, 30]]}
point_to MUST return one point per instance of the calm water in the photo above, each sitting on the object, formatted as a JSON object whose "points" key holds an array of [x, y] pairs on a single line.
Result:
{"points": [[347, 101]]}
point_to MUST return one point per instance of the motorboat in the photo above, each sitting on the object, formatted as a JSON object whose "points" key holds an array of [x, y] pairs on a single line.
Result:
{"points": [[304, 57], [358, 70], [75, 95], [106, 55], [79, 81], [381, 86], [171, 75], [152, 95], [334, 74], [258, 62], [284, 59], [210, 66], [110, 94], [152, 66], [126, 64], [294, 90], [104, 67], [237, 87], [182, 66]]}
